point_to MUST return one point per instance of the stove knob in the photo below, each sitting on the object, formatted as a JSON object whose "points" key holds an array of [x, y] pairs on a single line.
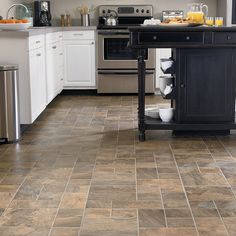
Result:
{"points": [[108, 11], [137, 10], [142, 10], [104, 12], [148, 11]]}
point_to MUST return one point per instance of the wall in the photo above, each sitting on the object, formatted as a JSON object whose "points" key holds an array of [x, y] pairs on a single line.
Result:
{"points": [[69, 6], [5, 4]]}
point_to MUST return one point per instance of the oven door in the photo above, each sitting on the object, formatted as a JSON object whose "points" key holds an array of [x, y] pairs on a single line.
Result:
{"points": [[114, 53]]}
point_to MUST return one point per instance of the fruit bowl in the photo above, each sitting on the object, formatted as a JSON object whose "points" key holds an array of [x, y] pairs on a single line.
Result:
{"points": [[17, 26]]}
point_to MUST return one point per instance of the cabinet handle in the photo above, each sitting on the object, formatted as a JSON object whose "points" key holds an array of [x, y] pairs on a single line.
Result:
{"points": [[37, 42], [188, 38], [38, 54], [54, 47], [182, 85], [229, 37]]}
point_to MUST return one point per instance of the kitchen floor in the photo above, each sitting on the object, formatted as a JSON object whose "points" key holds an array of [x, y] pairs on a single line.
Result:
{"points": [[80, 170]]}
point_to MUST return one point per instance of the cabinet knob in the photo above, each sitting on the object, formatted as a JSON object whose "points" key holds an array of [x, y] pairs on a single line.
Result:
{"points": [[188, 38], [54, 47], [92, 43], [229, 37], [38, 55], [155, 37], [37, 42], [182, 85]]}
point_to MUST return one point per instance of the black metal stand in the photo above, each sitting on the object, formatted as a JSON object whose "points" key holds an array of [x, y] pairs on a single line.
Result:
{"points": [[141, 94]]}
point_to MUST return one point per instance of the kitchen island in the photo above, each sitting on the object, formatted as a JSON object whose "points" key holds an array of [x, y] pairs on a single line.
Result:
{"points": [[204, 77]]}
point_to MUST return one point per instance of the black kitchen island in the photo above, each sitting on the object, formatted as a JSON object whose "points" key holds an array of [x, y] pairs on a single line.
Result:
{"points": [[204, 77]]}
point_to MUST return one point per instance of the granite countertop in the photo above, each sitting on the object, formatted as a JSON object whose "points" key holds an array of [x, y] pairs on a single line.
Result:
{"points": [[42, 30]]}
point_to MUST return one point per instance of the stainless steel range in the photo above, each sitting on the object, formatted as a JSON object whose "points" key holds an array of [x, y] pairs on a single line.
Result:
{"points": [[117, 63]]}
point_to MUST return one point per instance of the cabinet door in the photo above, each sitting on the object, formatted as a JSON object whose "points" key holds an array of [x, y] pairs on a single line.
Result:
{"points": [[79, 63], [204, 93], [37, 82], [52, 71]]}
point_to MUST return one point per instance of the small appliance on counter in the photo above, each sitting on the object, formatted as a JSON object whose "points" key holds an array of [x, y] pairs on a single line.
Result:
{"points": [[167, 14], [42, 13]]}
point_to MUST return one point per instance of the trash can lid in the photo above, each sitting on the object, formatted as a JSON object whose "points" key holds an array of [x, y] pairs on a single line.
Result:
{"points": [[5, 66]]}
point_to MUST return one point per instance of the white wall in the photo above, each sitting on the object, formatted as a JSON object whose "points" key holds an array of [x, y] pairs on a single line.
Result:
{"points": [[69, 6], [5, 4]]}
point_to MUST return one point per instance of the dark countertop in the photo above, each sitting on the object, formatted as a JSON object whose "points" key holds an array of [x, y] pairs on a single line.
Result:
{"points": [[151, 28]]}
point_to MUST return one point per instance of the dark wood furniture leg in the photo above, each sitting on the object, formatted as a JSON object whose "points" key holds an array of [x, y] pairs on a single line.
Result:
{"points": [[141, 95]]}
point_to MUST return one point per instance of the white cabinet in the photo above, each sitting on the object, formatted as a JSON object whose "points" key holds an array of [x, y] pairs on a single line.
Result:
{"points": [[37, 82], [29, 54], [54, 66], [79, 60]]}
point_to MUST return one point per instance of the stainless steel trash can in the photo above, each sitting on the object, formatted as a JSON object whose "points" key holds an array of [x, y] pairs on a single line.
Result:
{"points": [[9, 103]]}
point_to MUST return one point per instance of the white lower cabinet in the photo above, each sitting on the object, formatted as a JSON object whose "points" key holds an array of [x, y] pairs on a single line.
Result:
{"points": [[37, 83], [79, 60], [54, 67]]}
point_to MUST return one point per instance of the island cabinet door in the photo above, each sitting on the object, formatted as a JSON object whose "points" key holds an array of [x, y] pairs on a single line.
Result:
{"points": [[206, 85]]}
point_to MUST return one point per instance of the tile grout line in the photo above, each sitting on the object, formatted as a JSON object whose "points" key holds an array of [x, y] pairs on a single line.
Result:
{"points": [[61, 199], [191, 212], [17, 191], [83, 216], [162, 201], [221, 218], [227, 186]]}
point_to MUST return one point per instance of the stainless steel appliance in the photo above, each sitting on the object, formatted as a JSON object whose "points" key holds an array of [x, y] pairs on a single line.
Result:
{"points": [[168, 14], [9, 103], [117, 63], [42, 13]]}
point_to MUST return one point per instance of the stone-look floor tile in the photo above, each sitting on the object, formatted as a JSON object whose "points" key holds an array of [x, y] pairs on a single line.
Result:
{"points": [[124, 214], [180, 222], [151, 218], [139, 204], [64, 231], [146, 173], [36, 218], [96, 213], [230, 225], [68, 218], [115, 192], [98, 203], [23, 231], [109, 227], [168, 232], [73, 201], [204, 209], [174, 199], [211, 227], [226, 208], [208, 193]]}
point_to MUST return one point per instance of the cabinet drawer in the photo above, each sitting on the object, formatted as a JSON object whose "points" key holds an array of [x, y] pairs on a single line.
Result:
{"points": [[71, 35], [171, 37], [36, 42], [225, 37], [53, 37]]}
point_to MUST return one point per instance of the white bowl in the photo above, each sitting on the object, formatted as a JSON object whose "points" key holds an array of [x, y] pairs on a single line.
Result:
{"points": [[18, 26], [152, 112], [166, 114]]}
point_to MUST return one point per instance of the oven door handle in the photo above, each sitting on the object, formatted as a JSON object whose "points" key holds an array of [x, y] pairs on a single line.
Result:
{"points": [[109, 72]]}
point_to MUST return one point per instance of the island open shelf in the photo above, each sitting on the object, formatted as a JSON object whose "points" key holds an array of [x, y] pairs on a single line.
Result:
{"points": [[205, 74]]}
